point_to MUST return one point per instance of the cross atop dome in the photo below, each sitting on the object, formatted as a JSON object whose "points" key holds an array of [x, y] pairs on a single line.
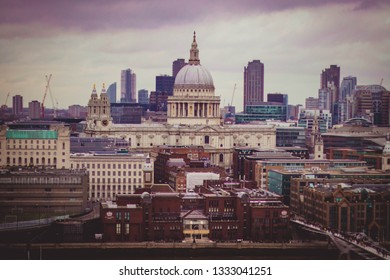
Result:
{"points": [[194, 52]]}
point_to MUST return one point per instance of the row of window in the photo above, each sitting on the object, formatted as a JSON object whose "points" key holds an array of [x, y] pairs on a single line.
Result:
{"points": [[46, 180], [31, 141], [114, 173], [108, 165], [25, 161], [32, 153], [114, 187], [114, 180], [37, 147]]}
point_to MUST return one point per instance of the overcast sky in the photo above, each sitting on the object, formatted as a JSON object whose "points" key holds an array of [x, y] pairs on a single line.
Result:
{"points": [[88, 42]]}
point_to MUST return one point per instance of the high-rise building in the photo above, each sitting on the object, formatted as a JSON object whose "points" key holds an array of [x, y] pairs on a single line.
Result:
{"points": [[143, 96], [372, 102], [253, 83], [311, 103], [346, 89], [34, 109], [177, 65], [347, 86], [17, 105], [164, 84], [111, 93], [128, 86], [324, 97], [331, 76]]}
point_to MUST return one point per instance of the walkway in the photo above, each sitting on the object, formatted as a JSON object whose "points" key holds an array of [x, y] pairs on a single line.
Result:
{"points": [[347, 244]]}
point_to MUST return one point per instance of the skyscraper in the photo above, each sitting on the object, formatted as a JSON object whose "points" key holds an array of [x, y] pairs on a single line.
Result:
{"points": [[17, 105], [346, 89], [34, 109], [143, 96], [128, 86], [253, 83], [164, 84], [324, 97], [177, 65], [331, 76], [347, 86], [111, 93]]}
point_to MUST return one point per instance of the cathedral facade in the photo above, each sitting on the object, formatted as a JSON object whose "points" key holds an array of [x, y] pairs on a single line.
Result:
{"points": [[193, 118]]}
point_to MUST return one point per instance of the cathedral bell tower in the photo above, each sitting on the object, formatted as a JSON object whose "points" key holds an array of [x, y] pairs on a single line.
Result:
{"points": [[318, 143], [386, 155], [99, 111]]}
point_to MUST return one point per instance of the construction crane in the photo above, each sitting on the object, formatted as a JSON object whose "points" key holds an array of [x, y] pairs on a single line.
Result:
{"points": [[234, 90], [4, 107], [44, 96], [55, 105]]}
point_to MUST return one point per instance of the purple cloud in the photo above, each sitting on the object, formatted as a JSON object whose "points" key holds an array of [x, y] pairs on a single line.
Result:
{"points": [[46, 17]]}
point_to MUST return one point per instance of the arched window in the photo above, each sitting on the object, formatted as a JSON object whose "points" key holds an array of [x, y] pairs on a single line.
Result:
{"points": [[43, 161], [19, 161], [207, 139], [55, 161], [220, 157]]}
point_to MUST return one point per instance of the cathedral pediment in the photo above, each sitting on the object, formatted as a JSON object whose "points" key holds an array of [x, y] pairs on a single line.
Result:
{"points": [[207, 128]]}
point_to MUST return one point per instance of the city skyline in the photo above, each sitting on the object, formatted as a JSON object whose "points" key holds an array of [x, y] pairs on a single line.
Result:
{"points": [[85, 44]]}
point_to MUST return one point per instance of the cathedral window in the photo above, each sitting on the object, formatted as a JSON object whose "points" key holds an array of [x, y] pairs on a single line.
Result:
{"points": [[207, 139]]}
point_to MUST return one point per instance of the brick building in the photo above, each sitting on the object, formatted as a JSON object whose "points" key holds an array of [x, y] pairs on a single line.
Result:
{"points": [[215, 211], [354, 204]]}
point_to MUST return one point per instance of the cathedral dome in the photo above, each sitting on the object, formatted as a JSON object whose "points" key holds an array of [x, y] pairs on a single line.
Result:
{"points": [[194, 75]]}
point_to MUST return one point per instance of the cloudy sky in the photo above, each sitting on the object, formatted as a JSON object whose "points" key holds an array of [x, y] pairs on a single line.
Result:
{"points": [[88, 42]]}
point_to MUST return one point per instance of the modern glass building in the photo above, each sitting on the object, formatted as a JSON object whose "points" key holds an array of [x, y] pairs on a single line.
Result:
{"points": [[263, 112], [111, 93], [290, 137]]}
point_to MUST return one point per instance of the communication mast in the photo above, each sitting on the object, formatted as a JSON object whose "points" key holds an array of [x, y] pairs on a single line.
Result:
{"points": [[44, 95]]}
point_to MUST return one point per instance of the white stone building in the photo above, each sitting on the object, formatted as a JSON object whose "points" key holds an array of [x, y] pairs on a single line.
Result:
{"points": [[114, 173], [193, 118], [35, 143]]}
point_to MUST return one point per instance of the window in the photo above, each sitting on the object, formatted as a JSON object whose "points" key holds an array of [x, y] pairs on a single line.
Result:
{"points": [[118, 229], [207, 139], [118, 215], [127, 229]]}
